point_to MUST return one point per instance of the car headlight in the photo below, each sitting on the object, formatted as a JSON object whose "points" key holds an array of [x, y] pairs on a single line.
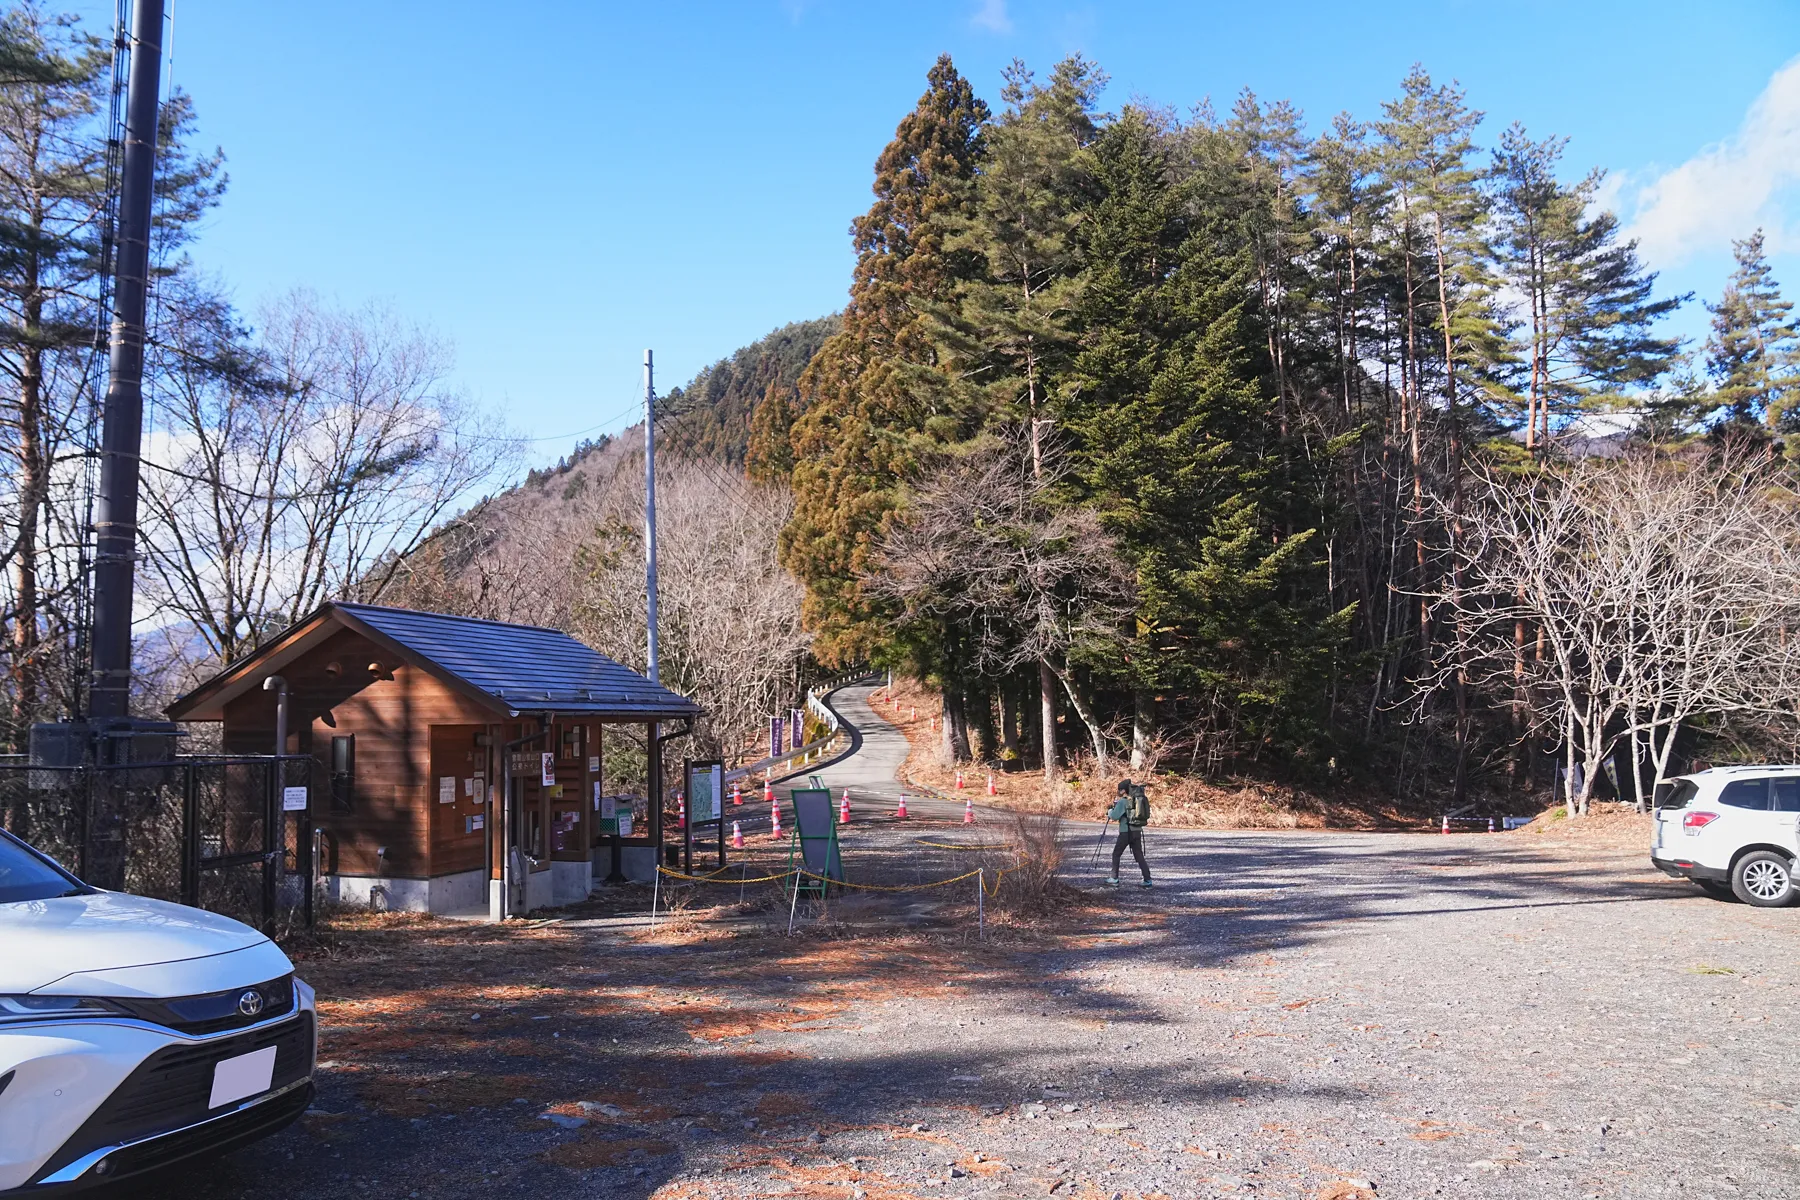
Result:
{"points": [[27, 1008]]}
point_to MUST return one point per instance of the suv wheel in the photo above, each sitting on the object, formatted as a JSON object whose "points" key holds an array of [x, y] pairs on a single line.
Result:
{"points": [[1764, 878]]}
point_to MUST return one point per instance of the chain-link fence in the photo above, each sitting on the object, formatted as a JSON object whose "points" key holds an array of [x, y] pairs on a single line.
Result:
{"points": [[224, 833]]}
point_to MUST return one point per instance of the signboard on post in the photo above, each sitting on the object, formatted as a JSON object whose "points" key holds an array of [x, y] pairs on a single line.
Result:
{"points": [[705, 791], [549, 761], [705, 805]]}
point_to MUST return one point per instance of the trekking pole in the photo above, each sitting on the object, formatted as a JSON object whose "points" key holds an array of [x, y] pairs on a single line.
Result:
{"points": [[1100, 846]]}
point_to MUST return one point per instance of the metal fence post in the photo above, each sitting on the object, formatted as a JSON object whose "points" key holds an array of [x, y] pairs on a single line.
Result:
{"points": [[190, 836], [272, 824]]}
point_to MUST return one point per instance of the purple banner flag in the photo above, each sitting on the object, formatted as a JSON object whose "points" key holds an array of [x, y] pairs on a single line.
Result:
{"points": [[798, 730], [777, 727]]}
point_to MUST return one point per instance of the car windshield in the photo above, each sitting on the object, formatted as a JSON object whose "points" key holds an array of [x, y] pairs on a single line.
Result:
{"points": [[1675, 793], [24, 875]]}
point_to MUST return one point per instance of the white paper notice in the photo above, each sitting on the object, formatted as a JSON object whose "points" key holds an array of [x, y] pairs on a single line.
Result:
{"points": [[468, 787], [609, 808], [549, 769], [447, 789], [293, 799], [624, 824], [593, 762], [245, 1075]]}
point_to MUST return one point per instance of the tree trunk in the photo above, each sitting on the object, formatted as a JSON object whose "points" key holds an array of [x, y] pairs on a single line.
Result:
{"points": [[1143, 728], [955, 745], [1008, 698], [979, 707], [1088, 718], [1047, 707]]}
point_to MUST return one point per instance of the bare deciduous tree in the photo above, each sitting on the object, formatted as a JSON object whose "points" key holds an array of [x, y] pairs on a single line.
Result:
{"points": [[298, 467], [982, 541], [1662, 590]]}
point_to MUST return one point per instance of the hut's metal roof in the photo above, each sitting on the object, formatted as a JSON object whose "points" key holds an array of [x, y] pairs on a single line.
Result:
{"points": [[510, 668], [523, 666]]}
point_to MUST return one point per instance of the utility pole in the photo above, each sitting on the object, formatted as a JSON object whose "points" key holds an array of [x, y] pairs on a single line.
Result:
{"points": [[114, 737], [650, 505], [115, 520]]}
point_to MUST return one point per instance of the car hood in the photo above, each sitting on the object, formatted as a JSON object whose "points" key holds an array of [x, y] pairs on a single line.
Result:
{"points": [[44, 941]]}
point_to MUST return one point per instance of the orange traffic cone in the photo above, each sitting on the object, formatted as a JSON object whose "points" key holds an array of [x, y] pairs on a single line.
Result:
{"points": [[774, 818], [901, 811], [737, 795], [990, 783], [844, 809], [959, 781], [768, 792], [969, 811], [915, 712], [737, 837]]}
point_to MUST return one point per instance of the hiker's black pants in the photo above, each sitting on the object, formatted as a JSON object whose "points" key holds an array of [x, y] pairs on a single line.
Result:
{"points": [[1135, 839]]}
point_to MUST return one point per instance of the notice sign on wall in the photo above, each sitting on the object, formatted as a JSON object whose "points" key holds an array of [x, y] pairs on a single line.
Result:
{"points": [[472, 824], [293, 799], [549, 769], [447, 789], [625, 823], [593, 763]]}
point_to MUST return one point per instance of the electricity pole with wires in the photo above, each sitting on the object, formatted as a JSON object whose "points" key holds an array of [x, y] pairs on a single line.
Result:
{"points": [[650, 508]]}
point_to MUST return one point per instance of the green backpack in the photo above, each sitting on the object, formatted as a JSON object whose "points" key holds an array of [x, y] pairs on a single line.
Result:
{"points": [[1139, 812]]}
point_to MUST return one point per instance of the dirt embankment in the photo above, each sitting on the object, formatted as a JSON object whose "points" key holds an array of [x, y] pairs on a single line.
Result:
{"points": [[1082, 792]]}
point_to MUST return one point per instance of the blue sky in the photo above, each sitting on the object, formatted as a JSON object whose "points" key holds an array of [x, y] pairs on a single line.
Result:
{"points": [[552, 186]]}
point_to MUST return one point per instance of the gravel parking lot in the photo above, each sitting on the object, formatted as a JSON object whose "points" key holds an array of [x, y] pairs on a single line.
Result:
{"points": [[1294, 1015]]}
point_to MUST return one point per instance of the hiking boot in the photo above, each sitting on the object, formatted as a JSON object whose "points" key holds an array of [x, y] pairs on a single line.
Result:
{"points": [[1146, 884], [1112, 881]]}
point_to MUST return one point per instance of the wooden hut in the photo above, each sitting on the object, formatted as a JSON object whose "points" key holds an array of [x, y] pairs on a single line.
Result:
{"points": [[460, 765]]}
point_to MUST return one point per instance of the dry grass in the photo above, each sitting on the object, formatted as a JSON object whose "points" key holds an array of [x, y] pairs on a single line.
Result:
{"points": [[1083, 793], [1608, 826]]}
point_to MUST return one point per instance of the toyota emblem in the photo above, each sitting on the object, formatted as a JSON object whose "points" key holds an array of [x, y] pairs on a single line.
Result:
{"points": [[250, 1003]]}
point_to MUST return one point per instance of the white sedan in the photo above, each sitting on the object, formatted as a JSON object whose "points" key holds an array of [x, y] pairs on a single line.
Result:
{"points": [[136, 1033]]}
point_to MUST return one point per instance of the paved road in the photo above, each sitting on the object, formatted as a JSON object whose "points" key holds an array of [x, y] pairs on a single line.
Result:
{"points": [[871, 771]]}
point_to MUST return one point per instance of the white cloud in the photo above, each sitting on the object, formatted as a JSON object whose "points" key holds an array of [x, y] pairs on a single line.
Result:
{"points": [[991, 16], [1730, 188]]}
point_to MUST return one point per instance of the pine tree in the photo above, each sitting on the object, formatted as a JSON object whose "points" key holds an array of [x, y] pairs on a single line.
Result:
{"points": [[1590, 301], [1751, 355], [852, 444]]}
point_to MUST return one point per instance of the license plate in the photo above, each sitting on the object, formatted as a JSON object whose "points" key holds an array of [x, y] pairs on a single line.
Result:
{"points": [[245, 1075]]}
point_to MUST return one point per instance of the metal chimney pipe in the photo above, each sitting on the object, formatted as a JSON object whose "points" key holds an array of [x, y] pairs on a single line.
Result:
{"points": [[278, 685], [115, 519]]}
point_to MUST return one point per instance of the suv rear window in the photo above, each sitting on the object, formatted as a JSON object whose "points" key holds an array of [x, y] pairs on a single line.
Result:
{"points": [[26, 875], [1676, 793], [1746, 793], [1784, 793]]}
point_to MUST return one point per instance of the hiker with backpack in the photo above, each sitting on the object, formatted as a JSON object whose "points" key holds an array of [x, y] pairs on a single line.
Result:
{"points": [[1132, 811]]}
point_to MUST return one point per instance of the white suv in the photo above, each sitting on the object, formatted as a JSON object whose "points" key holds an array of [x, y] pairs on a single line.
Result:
{"points": [[1732, 830], [135, 1033]]}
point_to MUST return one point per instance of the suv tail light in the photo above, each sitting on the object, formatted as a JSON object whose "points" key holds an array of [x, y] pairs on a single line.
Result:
{"points": [[1694, 822]]}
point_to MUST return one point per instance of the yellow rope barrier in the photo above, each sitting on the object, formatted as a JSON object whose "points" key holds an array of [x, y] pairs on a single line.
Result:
{"points": [[715, 877]]}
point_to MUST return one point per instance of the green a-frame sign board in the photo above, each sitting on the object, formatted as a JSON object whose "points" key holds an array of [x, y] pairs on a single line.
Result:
{"points": [[814, 841]]}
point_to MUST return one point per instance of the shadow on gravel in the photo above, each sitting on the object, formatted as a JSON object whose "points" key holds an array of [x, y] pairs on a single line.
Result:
{"points": [[1233, 894], [444, 1046]]}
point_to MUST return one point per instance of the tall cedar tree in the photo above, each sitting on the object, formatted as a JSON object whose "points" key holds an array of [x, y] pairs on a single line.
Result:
{"points": [[1751, 354], [1175, 442], [1005, 335], [851, 444]]}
